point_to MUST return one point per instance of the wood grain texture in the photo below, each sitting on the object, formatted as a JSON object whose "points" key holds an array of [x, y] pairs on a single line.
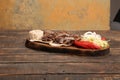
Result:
{"points": [[54, 14], [19, 62], [39, 57], [62, 77], [59, 68]]}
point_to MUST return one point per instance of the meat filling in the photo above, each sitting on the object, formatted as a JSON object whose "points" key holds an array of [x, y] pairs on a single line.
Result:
{"points": [[59, 37]]}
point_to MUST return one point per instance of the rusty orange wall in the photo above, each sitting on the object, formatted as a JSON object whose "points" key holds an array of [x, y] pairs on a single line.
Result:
{"points": [[55, 14]]}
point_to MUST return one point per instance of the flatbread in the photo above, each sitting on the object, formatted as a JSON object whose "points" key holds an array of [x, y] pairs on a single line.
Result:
{"points": [[66, 50]]}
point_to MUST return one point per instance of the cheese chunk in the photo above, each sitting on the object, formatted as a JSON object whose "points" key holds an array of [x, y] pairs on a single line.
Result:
{"points": [[36, 35]]}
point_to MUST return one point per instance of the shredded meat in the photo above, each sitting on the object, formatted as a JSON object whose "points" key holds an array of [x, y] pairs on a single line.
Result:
{"points": [[59, 37]]}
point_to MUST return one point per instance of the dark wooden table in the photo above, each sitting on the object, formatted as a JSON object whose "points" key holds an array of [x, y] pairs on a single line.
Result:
{"points": [[20, 63]]}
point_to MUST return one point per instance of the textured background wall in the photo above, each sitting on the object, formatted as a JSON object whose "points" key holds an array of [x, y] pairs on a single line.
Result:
{"points": [[54, 14]]}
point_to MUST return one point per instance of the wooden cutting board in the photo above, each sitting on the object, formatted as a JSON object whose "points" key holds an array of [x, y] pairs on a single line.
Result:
{"points": [[68, 50]]}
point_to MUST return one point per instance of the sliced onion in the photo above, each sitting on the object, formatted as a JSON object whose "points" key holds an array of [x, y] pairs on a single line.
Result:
{"points": [[57, 45]]}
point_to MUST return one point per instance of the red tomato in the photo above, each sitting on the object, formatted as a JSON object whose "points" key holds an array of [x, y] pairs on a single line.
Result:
{"points": [[103, 38], [86, 44]]}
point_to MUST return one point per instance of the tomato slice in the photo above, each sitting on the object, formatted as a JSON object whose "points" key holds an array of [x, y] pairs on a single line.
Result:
{"points": [[86, 44], [103, 38]]}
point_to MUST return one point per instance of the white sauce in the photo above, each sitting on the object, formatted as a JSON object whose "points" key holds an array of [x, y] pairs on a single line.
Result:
{"points": [[36, 35]]}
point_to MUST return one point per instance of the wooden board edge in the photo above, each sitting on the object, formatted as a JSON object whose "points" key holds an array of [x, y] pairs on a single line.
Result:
{"points": [[68, 50]]}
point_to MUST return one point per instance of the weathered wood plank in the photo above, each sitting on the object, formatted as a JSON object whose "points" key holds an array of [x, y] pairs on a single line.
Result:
{"points": [[59, 68], [19, 42], [23, 77], [37, 57], [62, 77], [18, 38], [83, 77], [26, 55], [56, 58], [20, 50]]}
